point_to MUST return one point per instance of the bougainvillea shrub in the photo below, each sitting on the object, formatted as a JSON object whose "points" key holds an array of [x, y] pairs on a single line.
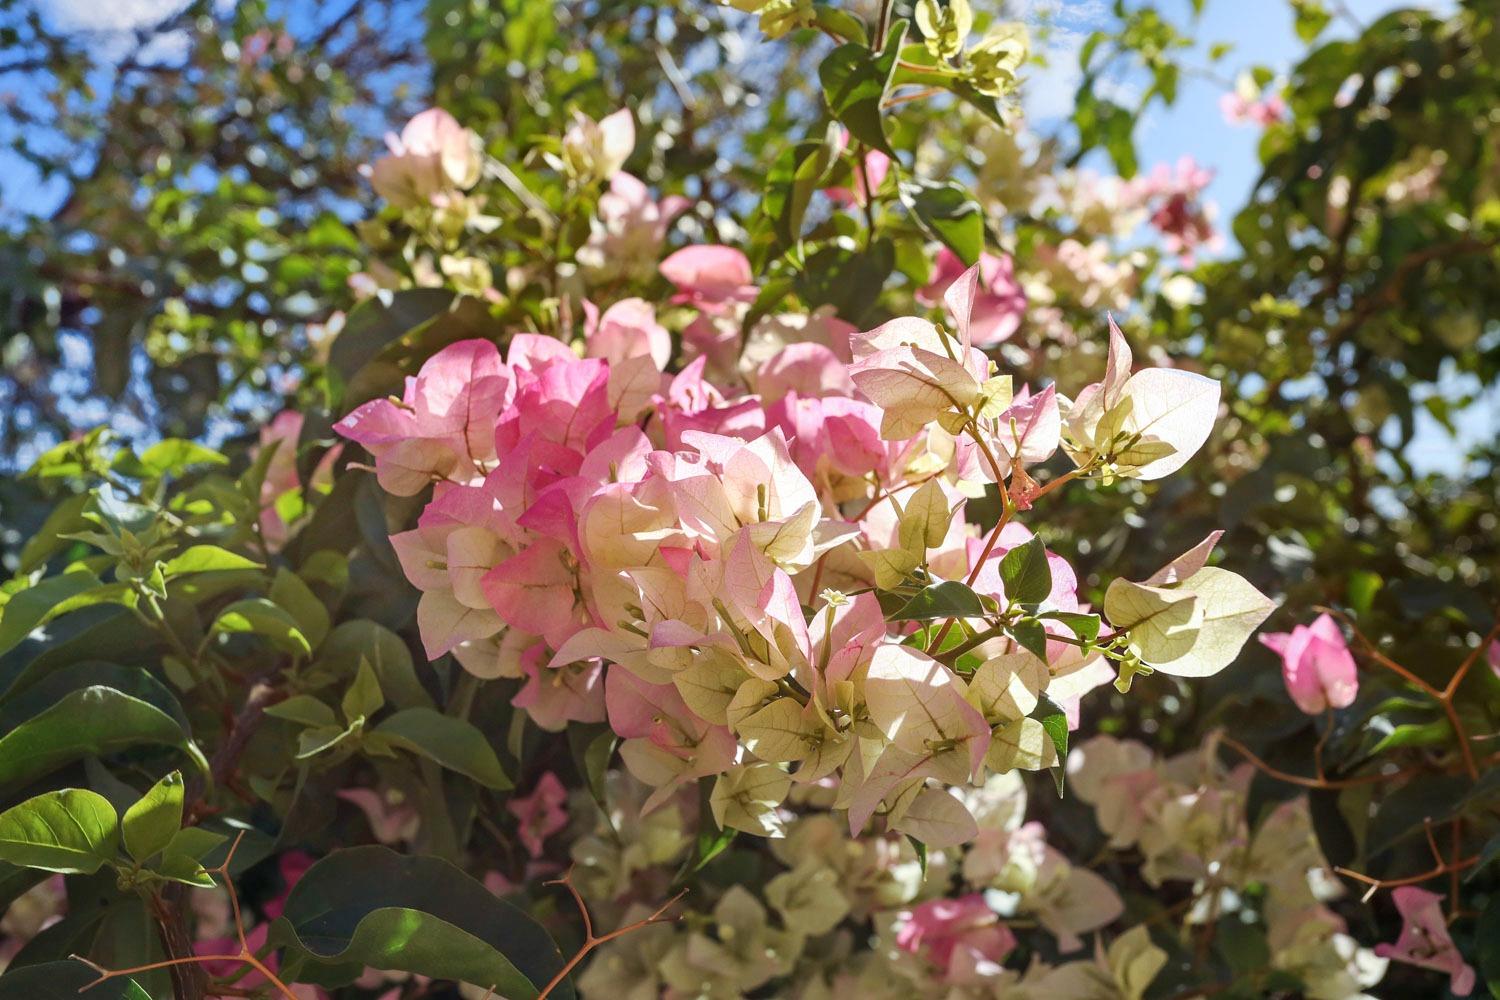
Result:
{"points": [[836, 564]]}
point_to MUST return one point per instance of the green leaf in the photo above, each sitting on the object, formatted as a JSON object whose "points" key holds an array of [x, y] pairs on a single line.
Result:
{"points": [[92, 720], [363, 698], [1437, 732], [1032, 636], [39, 604], [712, 842], [1025, 574], [855, 82], [373, 325], [371, 907], [921, 850], [296, 597], [1487, 945], [73, 831], [1102, 122], [1487, 856], [303, 709], [592, 746], [193, 842], [1311, 18], [65, 980], [204, 559], [180, 868], [453, 743], [362, 639], [312, 742], [175, 456], [1055, 722], [258, 616], [1363, 586], [948, 213], [840, 23], [949, 599], [153, 821], [1085, 627]]}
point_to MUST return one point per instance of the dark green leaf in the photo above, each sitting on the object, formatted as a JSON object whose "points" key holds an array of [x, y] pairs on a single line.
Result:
{"points": [[65, 980], [592, 746], [846, 277], [365, 640], [1487, 857], [1032, 637], [95, 719], [854, 83], [1025, 574], [949, 599], [453, 743], [921, 850], [947, 212], [15, 881], [1085, 627], [1487, 945], [369, 906], [259, 616], [1055, 722], [372, 325], [40, 603]]}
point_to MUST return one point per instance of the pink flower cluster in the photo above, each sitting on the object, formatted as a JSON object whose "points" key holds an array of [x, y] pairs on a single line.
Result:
{"points": [[962, 937], [644, 548], [1265, 111], [1174, 197]]}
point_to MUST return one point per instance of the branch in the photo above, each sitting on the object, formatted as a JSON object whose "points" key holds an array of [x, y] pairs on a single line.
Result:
{"points": [[590, 939], [1443, 698], [244, 955]]}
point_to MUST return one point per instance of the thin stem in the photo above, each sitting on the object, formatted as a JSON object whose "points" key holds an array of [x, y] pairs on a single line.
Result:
{"points": [[1376, 884], [1377, 655], [869, 198], [1444, 697], [245, 955], [919, 95], [883, 27], [590, 940], [1306, 782], [1007, 508], [1471, 659], [1323, 741], [977, 639]]}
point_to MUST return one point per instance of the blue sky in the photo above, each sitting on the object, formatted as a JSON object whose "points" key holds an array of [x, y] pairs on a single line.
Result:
{"points": [[1261, 32]]}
